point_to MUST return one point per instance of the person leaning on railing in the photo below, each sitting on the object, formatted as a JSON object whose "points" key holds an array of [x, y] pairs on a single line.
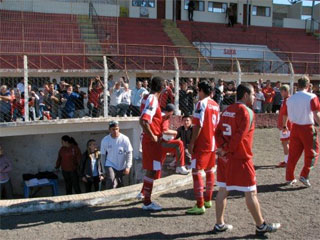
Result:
{"points": [[136, 97]]}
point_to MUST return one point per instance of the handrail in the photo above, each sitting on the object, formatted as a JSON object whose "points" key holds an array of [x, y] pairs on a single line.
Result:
{"points": [[143, 46]]}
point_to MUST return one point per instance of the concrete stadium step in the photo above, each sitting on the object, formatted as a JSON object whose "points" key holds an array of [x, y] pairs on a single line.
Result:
{"points": [[191, 53]]}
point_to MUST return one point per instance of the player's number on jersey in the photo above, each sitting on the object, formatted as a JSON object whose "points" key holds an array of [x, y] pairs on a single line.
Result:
{"points": [[228, 130], [214, 120]]}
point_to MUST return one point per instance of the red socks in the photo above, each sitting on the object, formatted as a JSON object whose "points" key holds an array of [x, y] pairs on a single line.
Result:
{"points": [[147, 190], [209, 185], [198, 187]]}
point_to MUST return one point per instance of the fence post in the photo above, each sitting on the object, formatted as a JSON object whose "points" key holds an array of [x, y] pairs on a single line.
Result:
{"points": [[176, 87], [26, 91], [239, 73], [291, 78], [105, 96]]}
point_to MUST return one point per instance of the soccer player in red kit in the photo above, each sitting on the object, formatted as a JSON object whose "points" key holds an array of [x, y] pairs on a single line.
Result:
{"points": [[234, 136], [202, 147], [284, 132], [150, 122], [302, 109]]}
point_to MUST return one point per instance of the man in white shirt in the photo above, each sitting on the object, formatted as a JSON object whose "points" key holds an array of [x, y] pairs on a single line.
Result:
{"points": [[302, 109], [259, 99], [116, 156], [115, 98]]}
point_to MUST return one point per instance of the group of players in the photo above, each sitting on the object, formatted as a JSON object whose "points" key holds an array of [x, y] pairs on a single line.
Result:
{"points": [[229, 136]]}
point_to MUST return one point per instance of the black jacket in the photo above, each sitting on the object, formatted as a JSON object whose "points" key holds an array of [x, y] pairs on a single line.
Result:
{"points": [[86, 168]]}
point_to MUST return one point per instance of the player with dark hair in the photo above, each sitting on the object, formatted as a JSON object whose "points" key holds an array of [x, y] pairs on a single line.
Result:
{"points": [[150, 121], [234, 136], [202, 147]]}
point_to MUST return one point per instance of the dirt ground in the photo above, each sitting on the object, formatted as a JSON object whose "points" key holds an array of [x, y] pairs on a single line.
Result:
{"points": [[296, 208]]}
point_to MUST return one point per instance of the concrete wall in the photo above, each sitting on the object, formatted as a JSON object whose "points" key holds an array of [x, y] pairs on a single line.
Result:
{"points": [[51, 6], [293, 23], [316, 12], [33, 147], [295, 11]]}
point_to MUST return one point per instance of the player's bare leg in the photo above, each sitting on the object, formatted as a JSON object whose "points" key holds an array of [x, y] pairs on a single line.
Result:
{"points": [[254, 208], [285, 146], [221, 203]]}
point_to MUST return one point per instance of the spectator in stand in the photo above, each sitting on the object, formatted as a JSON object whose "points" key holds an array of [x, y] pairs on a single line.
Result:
{"points": [[277, 101], [193, 87], [219, 91], [55, 84], [111, 82], [171, 85], [5, 104], [191, 8], [62, 87], [91, 167], [52, 102], [136, 97], [115, 98], [230, 16], [269, 94], [69, 99], [79, 103], [145, 85], [184, 133], [125, 101], [316, 90], [116, 155], [13, 97], [18, 107], [260, 83], [166, 96], [69, 161], [229, 95], [20, 85], [95, 92], [310, 90], [33, 97], [185, 99], [259, 99], [5, 183]]}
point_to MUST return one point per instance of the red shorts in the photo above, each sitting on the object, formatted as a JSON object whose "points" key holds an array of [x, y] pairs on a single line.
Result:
{"points": [[284, 136], [221, 172], [151, 155], [205, 160], [240, 175]]}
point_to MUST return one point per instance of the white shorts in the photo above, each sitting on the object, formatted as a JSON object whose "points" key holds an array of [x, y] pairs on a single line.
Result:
{"points": [[284, 136]]}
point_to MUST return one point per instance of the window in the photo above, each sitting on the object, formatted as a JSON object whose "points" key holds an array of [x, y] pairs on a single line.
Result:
{"points": [[217, 7], [261, 11], [198, 5], [143, 3]]}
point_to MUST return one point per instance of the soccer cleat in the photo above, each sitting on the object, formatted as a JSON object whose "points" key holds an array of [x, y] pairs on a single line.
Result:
{"points": [[267, 228], [222, 228], [152, 207], [182, 170], [196, 210], [282, 165], [305, 181], [292, 182], [207, 204], [140, 196]]}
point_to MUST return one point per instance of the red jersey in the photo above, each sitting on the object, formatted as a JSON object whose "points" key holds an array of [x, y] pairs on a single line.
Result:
{"points": [[235, 131], [166, 97], [151, 112], [94, 96], [207, 117], [269, 94], [282, 113]]}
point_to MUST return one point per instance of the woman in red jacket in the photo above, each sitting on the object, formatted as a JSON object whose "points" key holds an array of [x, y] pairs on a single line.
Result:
{"points": [[69, 160]]}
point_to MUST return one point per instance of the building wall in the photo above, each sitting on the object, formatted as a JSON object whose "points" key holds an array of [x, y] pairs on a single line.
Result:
{"points": [[205, 16], [294, 23], [134, 12], [33, 147], [295, 11], [51, 6]]}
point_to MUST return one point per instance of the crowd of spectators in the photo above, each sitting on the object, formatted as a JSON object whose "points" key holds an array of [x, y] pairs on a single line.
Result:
{"points": [[68, 100]]}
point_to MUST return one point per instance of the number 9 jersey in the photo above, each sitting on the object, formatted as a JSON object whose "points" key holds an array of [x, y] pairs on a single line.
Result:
{"points": [[206, 116]]}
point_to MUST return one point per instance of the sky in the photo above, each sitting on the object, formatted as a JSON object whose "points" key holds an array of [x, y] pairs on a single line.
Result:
{"points": [[305, 2]]}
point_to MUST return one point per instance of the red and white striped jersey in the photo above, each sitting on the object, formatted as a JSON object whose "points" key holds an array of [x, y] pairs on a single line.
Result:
{"points": [[206, 116]]}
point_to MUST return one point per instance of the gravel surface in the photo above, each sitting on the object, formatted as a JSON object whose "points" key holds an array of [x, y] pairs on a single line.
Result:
{"points": [[297, 208]]}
